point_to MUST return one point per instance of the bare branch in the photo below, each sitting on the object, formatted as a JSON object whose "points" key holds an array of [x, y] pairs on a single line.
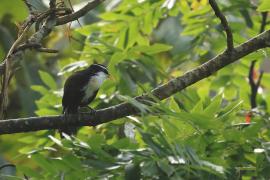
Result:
{"points": [[224, 23], [36, 46], [254, 85], [8, 70], [7, 165], [125, 109], [76, 15], [47, 50]]}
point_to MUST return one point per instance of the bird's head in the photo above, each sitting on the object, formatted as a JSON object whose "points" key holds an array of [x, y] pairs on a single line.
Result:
{"points": [[99, 70]]}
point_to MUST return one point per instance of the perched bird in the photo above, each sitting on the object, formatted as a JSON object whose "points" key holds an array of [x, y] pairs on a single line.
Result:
{"points": [[80, 89]]}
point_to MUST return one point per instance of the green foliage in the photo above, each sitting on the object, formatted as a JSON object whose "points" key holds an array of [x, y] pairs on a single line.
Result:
{"points": [[264, 6], [199, 133]]}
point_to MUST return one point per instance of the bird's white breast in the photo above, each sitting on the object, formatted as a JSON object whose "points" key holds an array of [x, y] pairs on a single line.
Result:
{"points": [[93, 84]]}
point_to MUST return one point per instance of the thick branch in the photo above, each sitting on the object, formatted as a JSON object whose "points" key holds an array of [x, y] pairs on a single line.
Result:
{"points": [[162, 92], [224, 23]]}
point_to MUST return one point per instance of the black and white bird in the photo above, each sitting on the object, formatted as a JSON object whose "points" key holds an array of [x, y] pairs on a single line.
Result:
{"points": [[80, 89]]}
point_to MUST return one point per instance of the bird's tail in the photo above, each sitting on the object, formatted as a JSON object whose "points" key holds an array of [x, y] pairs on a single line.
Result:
{"points": [[69, 130]]}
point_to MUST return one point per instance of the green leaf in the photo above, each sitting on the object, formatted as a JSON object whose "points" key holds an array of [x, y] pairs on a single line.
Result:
{"points": [[132, 171], [142, 107], [148, 139], [153, 49], [133, 32], [173, 105], [230, 108], [41, 89], [124, 143], [29, 172], [47, 79], [214, 106], [110, 16], [115, 59], [96, 141], [72, 161], [165, 167], [198, 108], [264, 6], [200, 120], [149, 168], [122, 39], [148, 26], [15, 8], [44, 163]]}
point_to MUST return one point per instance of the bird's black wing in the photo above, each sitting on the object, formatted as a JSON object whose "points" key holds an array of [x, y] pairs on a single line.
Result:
{"points": [[73, 93]]}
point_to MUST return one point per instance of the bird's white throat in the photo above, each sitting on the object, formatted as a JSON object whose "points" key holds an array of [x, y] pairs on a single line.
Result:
{"points": [[94, 84]]}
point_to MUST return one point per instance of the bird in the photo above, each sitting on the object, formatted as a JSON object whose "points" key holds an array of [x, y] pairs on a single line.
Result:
{"points": [[80, 89]]}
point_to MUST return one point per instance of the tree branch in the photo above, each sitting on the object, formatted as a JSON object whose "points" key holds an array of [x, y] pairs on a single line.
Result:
{"points": [[76, 15], [7, 71], [224, 23], [253, 85], [124, 109]]}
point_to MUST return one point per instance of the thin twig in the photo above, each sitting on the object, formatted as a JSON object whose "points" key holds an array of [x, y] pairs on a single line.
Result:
{"points": [[76, 15], [224, 23], [73, 11], [254, 85], [264, 21], [6, 165], [7, 71], [25, 46], [36, 46], [47, 50]]}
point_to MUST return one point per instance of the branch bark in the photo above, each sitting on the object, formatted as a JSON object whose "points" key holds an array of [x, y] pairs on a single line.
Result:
{"points": [[124, 109]]}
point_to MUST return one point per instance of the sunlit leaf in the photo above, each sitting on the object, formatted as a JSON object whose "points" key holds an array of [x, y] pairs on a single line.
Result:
{"points": [[47, 79]]}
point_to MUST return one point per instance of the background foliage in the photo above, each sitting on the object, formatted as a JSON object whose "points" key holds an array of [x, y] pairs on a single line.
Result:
{"points": [[198, 133]]}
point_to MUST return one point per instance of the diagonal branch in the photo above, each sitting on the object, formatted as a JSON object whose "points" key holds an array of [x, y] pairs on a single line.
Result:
{"points": [[76, 15], [224, 23], [122, 110]]}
